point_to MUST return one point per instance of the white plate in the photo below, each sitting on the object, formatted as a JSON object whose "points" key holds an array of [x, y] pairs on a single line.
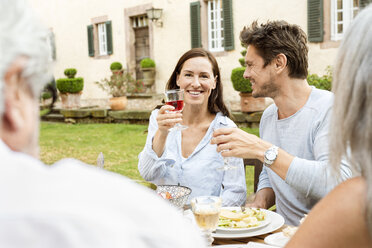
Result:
{"points": [[276, 221], [248, 229], [277, 239]]}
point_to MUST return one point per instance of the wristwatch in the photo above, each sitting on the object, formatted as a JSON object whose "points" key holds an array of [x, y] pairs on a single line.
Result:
{"points": [[270, 155]]}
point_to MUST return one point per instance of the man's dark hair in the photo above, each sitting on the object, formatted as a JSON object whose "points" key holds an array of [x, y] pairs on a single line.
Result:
{"points": [[278, 37]]}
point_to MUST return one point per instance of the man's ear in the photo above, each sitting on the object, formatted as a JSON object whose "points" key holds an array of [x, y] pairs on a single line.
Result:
{"points": [[280, 62]]}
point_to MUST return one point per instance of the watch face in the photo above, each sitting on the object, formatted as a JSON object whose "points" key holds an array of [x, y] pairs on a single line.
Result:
{"points": [[270, 155]]}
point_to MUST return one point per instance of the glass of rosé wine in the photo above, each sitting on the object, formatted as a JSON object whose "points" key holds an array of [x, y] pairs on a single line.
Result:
{"points": [[175, 98]]}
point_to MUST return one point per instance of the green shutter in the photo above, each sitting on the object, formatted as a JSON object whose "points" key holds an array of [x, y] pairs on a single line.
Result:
{"points": [[364, 3], [315, 20], [195, 24], [90, 41], [228, 26], [109, 37]]}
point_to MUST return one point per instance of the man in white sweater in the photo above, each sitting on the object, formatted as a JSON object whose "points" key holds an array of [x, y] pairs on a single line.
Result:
{"points": [[294, 130], [68, 204]]}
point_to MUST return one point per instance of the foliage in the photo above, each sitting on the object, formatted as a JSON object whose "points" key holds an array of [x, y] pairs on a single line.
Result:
{"points": [[147, 63], [243, 53], [119, 143], [242, 62], [70, 72], [321, 82], [70, 85], [239, 82], [136, 87], [46, 95], [117, 85], [116, 66]]}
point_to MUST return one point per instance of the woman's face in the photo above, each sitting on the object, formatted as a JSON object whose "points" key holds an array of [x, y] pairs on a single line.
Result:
{"points": [[197, 80]]}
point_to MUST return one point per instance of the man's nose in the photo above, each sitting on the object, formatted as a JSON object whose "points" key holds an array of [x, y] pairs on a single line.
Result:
{"points": [[246, 73]]}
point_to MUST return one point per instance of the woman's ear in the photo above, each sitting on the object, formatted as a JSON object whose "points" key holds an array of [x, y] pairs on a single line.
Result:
{"points": [[214, 82], [14, 96], [177, 79]]}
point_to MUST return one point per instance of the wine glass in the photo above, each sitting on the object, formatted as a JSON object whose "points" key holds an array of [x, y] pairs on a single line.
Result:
{"points": [[175, 98], [226, 161], [206, 210]]}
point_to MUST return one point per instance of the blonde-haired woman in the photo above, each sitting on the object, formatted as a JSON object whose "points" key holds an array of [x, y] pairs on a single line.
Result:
{"points": [[344, 217]]}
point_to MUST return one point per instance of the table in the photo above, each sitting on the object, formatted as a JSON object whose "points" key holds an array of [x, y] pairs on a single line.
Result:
{"points": [[258, 239]]}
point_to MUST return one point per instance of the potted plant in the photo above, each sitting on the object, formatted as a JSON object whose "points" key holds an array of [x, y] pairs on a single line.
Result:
{"points": [[116, 68], [247, 102], [70, 89], [148, 72], [117, 87]]}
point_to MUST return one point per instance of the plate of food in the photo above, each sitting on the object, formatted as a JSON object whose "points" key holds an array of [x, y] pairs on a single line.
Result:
{"points": [[234, 219], [275, 222]]}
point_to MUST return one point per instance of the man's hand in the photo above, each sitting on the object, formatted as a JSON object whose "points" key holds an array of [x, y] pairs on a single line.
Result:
{"points": [[234, 142], [265, 198]]}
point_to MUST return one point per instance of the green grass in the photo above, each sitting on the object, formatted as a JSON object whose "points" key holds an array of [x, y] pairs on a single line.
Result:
{"points": [[119, 143]]}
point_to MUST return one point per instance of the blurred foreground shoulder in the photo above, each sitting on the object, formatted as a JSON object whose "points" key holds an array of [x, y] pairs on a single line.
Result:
{"points": [[338, 220]]}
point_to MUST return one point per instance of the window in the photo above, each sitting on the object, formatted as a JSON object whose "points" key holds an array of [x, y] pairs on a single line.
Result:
{"points": [[139, 21], [102, 39], [342, 13], [215, 29], [215, 26]]}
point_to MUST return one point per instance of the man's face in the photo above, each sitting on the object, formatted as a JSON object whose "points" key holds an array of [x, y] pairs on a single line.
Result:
{"points": [[262, 78]]}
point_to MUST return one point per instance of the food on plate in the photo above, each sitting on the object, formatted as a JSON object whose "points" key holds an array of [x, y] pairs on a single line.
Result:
{"points": [[289, 231], [165, 195], [250, 217]]}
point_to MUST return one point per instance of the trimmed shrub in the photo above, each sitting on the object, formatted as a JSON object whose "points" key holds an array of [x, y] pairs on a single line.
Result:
{"points": [[46, 95], [147, 63], [70, 72], [242, 62], [116, 66], [321, 82], [239, 82], [70, 85]]}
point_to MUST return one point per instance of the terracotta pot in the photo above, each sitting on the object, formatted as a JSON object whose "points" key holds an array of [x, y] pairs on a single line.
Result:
{"points": [[70, 100], [249, 103], [118, 103]]}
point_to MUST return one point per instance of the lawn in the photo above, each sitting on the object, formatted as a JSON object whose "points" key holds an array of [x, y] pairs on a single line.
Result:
{"points": [[119, 143]]}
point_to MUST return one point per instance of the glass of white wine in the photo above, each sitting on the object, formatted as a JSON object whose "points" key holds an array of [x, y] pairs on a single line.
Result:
{"points": [[206, 210]]}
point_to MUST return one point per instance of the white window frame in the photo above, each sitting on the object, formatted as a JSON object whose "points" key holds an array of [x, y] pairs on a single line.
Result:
{"points": [[215, 44], [347, 16], [102, 38]]}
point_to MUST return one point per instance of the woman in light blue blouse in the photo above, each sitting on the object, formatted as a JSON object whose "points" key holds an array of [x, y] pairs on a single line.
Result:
{"points": [[186, 157]]}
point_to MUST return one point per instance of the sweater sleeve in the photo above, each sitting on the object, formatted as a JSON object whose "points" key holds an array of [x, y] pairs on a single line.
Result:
{"points": [[313, 178], [150, 166]]}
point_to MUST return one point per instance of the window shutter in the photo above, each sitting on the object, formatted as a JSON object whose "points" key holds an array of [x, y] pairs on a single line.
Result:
{"points": [[195, 24], [90, 41], [228, 26], [364, 3], [109, 37], [315, 20]]}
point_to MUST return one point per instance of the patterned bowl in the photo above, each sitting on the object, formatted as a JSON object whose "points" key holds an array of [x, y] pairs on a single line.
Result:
{"points": [[179, 194]]}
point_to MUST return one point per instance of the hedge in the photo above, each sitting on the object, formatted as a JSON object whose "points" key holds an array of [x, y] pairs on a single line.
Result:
{"points": [[239, 82], [116, 66], [147, 63], [70, 72], [70, 85]]}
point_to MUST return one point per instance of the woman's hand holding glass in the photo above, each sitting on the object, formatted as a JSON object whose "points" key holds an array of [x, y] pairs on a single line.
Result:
{"points": [[167, 119]]}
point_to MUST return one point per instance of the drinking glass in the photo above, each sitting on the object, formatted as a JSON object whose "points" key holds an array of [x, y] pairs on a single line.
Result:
{"points": [[226, 162], [175, 98], [206, 210]]}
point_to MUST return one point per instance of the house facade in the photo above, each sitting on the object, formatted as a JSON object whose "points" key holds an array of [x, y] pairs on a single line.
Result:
{"points": [[90, 35]]}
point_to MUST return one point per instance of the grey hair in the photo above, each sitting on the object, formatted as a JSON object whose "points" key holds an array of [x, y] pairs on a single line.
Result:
{"points": [[351, 135], [22, 35]]}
